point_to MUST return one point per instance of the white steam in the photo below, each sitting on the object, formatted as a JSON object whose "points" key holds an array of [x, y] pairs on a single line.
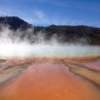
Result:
{"points": [[15, 47]]}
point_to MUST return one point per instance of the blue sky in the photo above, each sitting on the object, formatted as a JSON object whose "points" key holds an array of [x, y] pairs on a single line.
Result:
{"points": [[46, 12]]}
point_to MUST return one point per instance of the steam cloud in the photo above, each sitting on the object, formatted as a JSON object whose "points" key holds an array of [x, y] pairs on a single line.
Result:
{"points": [[15, 44]]}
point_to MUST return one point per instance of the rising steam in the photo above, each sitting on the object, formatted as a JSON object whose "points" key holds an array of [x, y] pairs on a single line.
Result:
{"points": [[12, 44]]}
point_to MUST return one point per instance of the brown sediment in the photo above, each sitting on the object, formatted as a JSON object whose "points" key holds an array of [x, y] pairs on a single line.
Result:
{"points": [[13, 66], [48, 82], [81, 70], [18, 61], [84, 59], [2, 60], [48, 79], [9, 73]]}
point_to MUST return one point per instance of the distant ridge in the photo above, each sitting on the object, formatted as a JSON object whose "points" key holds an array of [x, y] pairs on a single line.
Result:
{"points": [[14, 22], [72, 34], [63, 33]]}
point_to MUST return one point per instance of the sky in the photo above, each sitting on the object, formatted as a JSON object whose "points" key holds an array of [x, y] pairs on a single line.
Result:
{"points": [[58, 12]]}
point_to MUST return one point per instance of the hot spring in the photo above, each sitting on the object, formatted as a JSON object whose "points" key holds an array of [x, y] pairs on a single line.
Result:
{"points": [[9, 50], [16, 47]]}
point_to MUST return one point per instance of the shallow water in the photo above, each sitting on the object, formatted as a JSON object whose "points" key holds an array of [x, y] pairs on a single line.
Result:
{"points": [[8, 50], [47, 81]]}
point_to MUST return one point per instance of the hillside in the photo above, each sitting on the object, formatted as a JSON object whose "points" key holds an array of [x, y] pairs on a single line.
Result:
{"points": [[62, 33], [14, 22]]}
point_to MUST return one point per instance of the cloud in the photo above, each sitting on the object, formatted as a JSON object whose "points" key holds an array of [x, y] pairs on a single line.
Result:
{"points": [[5, 12], [39, 17], [42, 18], [37, 14]]}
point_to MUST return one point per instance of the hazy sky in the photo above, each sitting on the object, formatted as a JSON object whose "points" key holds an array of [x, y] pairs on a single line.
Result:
{"points": [[45, 12]]}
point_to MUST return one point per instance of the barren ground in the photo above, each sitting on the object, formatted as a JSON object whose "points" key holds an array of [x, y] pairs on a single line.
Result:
{"points": [[50, 79]]}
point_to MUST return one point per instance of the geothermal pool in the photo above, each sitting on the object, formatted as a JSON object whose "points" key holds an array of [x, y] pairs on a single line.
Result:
{"points": [[49, 81], [49, 72], [47, 50]]}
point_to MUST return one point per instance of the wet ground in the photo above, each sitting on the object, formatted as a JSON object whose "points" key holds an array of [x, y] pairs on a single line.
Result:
{"points": [[50, 79]]}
